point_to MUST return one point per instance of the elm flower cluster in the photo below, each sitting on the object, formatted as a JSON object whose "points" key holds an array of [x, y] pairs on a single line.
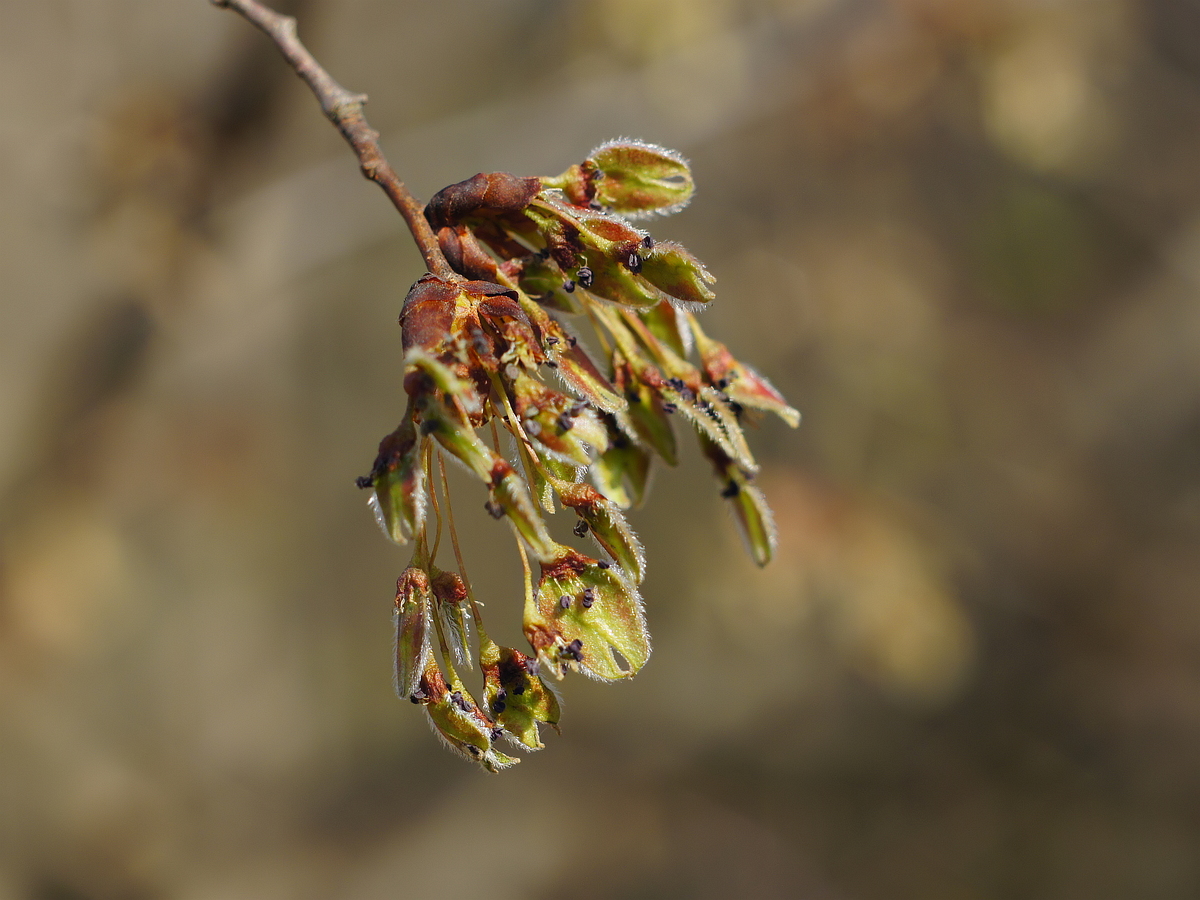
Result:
{"points": [[493, 349]]}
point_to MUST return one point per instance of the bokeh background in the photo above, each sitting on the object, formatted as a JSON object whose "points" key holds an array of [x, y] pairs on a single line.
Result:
{"points": [[962, 236]]}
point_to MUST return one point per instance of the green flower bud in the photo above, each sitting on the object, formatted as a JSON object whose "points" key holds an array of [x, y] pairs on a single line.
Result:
{"points": [[608, 527], [622, 473], [613, 280], [641, 178], [630, 177], [563, 427], [739, 382], [544, 280], [414, 650], [510, 495], [609, 247], [515, 698], [646, 417], [451, 593], [669, 325], [586, 616], [580, 374], [750, 509], [398, 482], [678, 275], [678, 384], [459, 722]]}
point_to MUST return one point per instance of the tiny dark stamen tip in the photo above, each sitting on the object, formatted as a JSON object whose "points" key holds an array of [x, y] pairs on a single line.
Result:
{"points": [[564, 601], [730, 490], [364, 481], [602, 563], [569, 286], [495, 510], [580, 529]]}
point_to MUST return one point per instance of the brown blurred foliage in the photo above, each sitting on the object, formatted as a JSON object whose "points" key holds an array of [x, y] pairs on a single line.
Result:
{"points": [[963, 236]]}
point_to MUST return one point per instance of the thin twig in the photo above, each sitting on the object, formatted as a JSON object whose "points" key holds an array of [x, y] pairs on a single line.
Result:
{"points": [[345, 110]]}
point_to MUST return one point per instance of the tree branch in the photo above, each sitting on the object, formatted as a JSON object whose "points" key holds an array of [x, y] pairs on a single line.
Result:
{"points": [[345, 110]]}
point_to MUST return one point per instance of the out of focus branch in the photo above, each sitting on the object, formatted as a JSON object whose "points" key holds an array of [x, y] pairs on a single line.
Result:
{"points": [[345, 110]]}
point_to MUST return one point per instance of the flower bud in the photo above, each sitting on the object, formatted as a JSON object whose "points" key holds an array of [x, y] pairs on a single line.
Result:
{"points": [[608, 527], [678, 274], [750, 509], [466, 255], [560, 425], [459, 722], [580, 374], [601, 630], [398, 482], [622, 473], [413, 647], [739, 382], [646, 416], [631, 177], [451, 593], [515, 697], [669, 324]]}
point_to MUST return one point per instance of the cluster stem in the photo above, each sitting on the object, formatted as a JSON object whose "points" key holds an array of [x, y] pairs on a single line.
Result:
{"points": [[345, 110]]}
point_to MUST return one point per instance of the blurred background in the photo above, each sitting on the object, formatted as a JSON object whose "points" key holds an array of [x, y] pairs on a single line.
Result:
{"points": [[962, 236]]}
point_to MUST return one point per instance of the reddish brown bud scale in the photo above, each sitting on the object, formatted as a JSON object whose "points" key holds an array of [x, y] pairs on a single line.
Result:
{"points": [[466, 255], [427, 314], [448, 587], [498, 192]]}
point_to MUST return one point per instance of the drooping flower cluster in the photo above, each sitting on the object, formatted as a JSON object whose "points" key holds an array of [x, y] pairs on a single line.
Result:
{"points": [[492, 348]]}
